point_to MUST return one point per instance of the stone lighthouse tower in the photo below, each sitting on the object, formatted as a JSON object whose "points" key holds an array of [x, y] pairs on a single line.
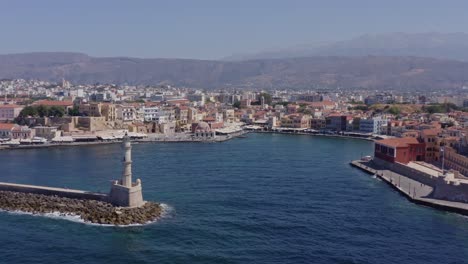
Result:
{"points": [[124, 192]]}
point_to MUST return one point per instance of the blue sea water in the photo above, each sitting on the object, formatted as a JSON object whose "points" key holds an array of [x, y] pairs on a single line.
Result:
{"points": [[263, 199]]}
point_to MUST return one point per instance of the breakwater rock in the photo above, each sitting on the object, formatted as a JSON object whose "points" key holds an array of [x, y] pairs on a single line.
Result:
{"points": [[90, 211]]}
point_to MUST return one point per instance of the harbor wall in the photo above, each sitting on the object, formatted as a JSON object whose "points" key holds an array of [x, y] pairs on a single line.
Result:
{"points": [[409, 172], [60, 192], [443, 189], [450, 190], [447, 193]]}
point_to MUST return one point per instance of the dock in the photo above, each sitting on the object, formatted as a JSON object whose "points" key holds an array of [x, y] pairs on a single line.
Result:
{"points": [[413, 190]]}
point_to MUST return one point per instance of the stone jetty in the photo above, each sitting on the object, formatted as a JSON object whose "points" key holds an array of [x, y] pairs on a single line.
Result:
{"points": [[90, 211]]}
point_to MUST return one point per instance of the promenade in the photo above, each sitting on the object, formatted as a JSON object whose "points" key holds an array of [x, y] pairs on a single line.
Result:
{"points": [[152, 138], [413, 190]]}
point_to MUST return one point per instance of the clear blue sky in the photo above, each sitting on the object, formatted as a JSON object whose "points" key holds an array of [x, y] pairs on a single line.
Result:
{"points": [[210, 29]]}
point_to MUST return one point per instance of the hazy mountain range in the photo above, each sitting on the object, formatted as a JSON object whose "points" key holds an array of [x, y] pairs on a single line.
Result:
{"points": [[350, 66], [434, 45]]}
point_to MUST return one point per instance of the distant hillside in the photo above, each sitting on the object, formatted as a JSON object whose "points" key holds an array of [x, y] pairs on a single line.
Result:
{"points": [[367, 72], [452, 46]]}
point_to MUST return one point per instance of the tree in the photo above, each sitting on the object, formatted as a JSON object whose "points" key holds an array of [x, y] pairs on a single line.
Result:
{"points": [[360, 107], [394, 110], [237, 104], [74, 111], [28, 111], [56, 111], [42, 111]]}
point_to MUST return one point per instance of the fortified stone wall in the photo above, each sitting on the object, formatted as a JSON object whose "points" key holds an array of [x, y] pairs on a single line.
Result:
{"points": [[442, 190], [451, 191], [402, 169]]}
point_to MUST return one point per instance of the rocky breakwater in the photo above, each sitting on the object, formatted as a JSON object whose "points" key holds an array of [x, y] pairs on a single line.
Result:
{"points": [[90, 211]]}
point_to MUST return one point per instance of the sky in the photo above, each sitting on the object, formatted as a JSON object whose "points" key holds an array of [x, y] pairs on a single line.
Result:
{"points": [[211, 29]]}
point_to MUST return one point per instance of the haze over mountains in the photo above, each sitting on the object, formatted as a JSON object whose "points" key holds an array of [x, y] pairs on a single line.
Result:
{"points": [[434, 45], [397, 61]]}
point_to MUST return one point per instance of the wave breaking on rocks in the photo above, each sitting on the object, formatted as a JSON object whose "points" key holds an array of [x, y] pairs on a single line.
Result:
{"points": [[84, 211]]}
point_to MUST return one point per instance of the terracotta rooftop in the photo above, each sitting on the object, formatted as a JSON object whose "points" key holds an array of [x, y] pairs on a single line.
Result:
{"points": [[398, 142], [53, 103], [10, 106], [431, 132], [7, 126]]}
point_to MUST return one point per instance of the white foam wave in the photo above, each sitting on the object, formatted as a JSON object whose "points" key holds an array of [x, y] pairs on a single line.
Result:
{"points": [[165, 212]]}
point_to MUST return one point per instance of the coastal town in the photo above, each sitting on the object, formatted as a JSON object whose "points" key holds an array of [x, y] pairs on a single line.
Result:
{"points": [[40, 113], [425, 134]]}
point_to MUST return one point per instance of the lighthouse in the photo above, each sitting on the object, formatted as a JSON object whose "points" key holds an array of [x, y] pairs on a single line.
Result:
{"points": [[127, 163], [124, 192]]}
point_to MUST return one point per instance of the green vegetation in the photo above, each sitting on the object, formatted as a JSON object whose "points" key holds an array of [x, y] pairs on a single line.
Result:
{"points": [[442, 108], [74, 111], [39, 111], [394, 110], [361, 107], [237, 104]]}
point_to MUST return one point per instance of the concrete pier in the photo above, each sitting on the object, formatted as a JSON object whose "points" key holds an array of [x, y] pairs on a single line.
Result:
{"points": [[413, 190]]}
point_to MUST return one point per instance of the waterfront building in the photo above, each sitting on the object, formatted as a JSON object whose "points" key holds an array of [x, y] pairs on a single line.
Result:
{"points": [[402, 150], [455, 161], [318, 123], [150, 113], [431, 139], [296, 121], [126, 113], [203, 130], [338, 122], [375, 125], [181, 114], [6, 129], [47, 132], [9, 112], [229, 115]]}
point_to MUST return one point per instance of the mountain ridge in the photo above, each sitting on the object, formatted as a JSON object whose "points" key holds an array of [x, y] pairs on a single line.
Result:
{"points": [[452, 46], [379, 72]]}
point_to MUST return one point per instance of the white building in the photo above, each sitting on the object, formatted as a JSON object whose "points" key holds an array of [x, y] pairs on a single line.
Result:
{"points": [[374, 125], [9, 112]]}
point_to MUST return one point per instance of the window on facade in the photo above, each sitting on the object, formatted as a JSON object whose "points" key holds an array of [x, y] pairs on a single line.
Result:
{"points": [[377, 147], [391, 152]]}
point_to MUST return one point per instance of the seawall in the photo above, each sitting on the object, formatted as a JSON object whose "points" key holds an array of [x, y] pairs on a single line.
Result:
{"points": [[414, 190], [51, 191], [311, 134]]}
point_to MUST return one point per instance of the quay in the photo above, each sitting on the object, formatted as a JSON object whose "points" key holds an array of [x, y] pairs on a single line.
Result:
{"points": [[182, 138], [413, 189]]}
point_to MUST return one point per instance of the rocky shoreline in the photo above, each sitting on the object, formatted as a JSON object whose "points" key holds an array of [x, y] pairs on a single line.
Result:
{"points": [[90, 211]]}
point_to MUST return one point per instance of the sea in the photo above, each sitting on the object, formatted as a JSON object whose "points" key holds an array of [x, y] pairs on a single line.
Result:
{"points": [[267, 198]]}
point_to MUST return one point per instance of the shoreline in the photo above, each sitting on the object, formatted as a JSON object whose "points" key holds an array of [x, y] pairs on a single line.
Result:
{"points": [[219, 139], [312, 134], [414, 191]]}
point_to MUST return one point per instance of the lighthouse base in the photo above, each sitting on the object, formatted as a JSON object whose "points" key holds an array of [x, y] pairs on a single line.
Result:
{"points": [[123, 196]]}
